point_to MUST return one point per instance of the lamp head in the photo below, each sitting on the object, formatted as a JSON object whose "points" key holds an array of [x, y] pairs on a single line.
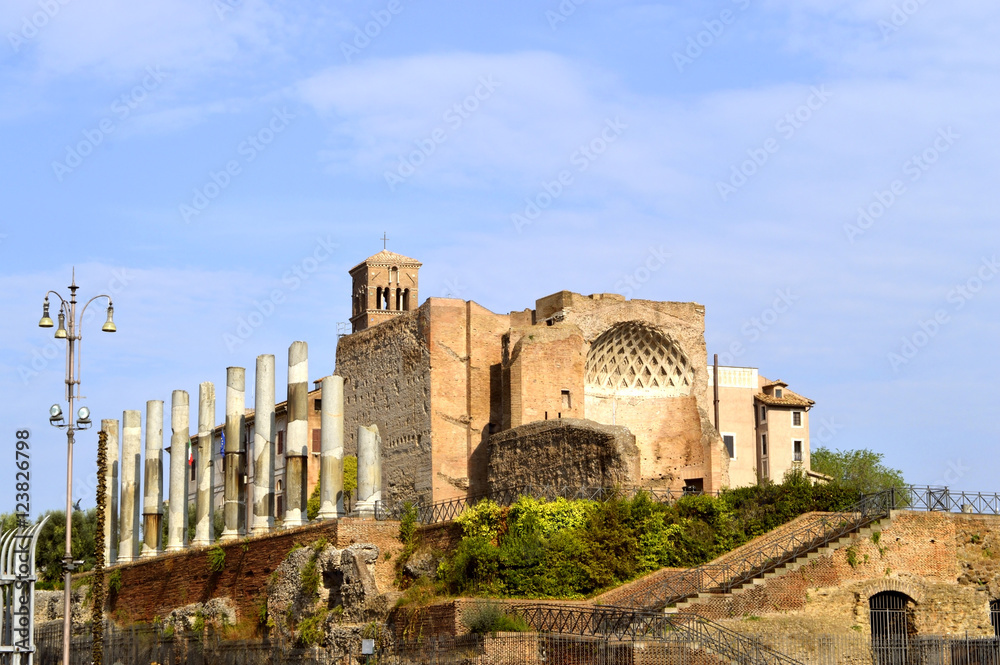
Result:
{"points": [[83, 416], [45, 321], [109, 325], [61, 330], [55, 414]]}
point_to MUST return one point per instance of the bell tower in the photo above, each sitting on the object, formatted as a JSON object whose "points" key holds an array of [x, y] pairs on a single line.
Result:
{"points": [[382, 286]]}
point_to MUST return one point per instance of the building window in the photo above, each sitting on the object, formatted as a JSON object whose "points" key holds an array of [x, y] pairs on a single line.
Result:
{"points": [[281, 442], [797, 450], [406, 299], [194, 467], [566, 403], [318, 404], [763, 445], [796, 419], [778, 392], [763, 413], [995, 616], [730, 441], [316, 441], [378, 298]]}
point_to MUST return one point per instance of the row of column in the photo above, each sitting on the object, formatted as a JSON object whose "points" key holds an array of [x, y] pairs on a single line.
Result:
{"points": [[124, 523]]}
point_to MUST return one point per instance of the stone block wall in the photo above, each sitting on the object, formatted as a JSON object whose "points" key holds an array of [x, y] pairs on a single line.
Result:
{"points": [[566, 451], [386, 372], [933, 558]]}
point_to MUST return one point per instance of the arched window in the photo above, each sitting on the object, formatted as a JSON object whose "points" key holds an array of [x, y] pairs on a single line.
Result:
{"points": [[406, 300], [891, 617], [995, 616], [378, 298], [399, 299], [385, 298], [394, 275]]}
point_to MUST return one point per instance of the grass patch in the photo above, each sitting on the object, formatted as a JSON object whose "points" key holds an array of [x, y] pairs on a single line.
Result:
{"points": [[491, 618]]}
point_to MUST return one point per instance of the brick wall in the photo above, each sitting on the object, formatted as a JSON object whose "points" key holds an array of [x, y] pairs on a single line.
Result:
{"points": [[931, 557], [154, 587]]}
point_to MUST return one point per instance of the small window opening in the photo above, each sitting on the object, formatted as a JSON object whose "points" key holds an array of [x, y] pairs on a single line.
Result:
{"points": [[778, 392], [566, 401], [796, 451], [730, 441]]}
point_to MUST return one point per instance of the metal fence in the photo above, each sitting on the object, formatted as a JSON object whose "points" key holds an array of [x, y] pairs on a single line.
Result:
{"points": [[450, 509]]}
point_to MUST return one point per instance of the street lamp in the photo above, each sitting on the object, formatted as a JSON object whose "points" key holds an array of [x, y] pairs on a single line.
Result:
{"points": [[69, 330]]}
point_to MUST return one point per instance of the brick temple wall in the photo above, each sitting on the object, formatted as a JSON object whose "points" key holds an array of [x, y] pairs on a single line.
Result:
{"points": [[153, 587]]}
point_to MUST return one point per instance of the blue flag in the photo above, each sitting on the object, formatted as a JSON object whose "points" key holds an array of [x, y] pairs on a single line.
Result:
{"points": [[222, 448]]}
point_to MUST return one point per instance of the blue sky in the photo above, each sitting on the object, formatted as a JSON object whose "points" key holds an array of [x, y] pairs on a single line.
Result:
{"points": [[820, 175]]}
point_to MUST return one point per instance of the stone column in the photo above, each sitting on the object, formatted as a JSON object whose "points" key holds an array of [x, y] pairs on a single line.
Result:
{"points": [[234, 491], [331, 472], [128, 548], [205, 502], [110, 427], [263, 447], [297, 443], [152, 501], [369, 469], [180, 438]]}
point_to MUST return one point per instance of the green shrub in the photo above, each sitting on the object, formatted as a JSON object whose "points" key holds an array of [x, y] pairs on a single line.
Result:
{"points": [[216, 559], [115, 581], [574, 549], [491, 618], [311, 576], [313, 504], [311, 629]]}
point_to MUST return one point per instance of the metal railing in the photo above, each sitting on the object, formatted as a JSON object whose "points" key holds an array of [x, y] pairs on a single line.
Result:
{"points": [[450, 509], [669, 589], [694, 632], [942, 499]]}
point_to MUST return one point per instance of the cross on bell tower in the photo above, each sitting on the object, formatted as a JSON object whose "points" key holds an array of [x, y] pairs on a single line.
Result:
{"points": [[383, 286]]}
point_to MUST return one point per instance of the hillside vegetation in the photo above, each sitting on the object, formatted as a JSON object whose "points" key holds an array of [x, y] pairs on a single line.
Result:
{"points": [[574, 549]]}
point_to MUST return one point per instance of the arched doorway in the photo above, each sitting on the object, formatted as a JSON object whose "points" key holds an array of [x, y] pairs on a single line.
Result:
{"points": [[891, 617]]}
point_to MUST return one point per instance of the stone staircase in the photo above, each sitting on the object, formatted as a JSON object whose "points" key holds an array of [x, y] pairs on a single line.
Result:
{"points": [[790, 566]]}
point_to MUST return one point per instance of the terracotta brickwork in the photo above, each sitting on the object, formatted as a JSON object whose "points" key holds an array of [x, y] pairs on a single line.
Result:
{"points": [[153, 587], [440, 380], [944, 562]]}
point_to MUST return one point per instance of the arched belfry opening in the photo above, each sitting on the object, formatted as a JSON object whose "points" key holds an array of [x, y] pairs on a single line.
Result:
{"points": [[891, 618], [387, 283]]}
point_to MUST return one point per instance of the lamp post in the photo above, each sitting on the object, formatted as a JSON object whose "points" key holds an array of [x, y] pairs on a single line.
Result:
{"points": [[69, 330]]}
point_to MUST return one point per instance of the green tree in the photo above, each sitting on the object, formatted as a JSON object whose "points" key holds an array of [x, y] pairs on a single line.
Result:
{"points": [[52, 543], [350, 479], [314, 503], [861, 471]]}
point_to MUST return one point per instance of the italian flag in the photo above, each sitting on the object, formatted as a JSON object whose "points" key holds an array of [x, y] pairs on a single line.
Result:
{"points": [[190, 454]]}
